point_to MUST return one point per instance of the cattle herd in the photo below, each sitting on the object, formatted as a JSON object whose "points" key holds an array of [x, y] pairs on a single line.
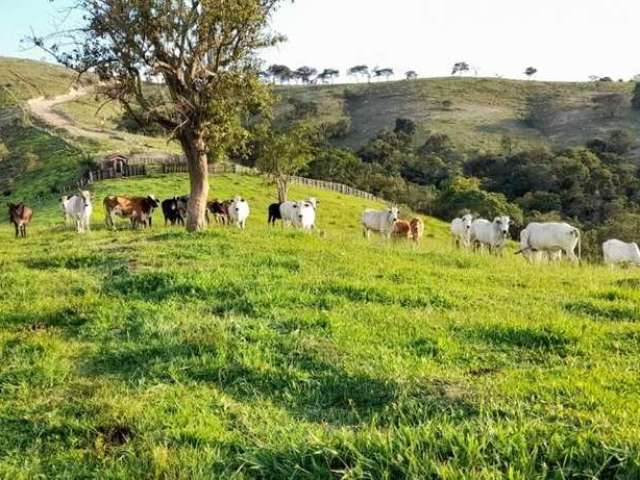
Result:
{"points": [[538, 241]]}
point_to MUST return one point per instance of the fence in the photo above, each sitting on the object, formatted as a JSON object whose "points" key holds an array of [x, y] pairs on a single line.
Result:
{"points": [[139, 167]]}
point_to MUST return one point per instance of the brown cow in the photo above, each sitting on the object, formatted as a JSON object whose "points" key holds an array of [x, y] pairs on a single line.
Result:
{"points": [[136, 209], [401, 229], [417, 229], [20, 216], [220, 211]]}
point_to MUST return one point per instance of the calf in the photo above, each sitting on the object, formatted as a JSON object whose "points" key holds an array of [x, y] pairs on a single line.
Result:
{"points": [[175, 210], [20, 215], [274, 213], [417, 229], [401, 229], [219, 210], [137, 209], [239, 212], [379, 221]]}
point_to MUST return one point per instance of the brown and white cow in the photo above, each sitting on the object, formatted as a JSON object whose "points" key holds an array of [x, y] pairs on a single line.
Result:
{"points": [[401, 229], [20, 215], [136, 209]]}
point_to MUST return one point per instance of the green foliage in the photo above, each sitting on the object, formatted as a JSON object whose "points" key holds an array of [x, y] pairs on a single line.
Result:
{"points": [[541, 110], [4, 151], [281, 154]]}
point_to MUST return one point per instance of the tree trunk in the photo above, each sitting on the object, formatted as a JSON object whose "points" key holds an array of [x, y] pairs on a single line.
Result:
{"points": [[282, 184], [195, 150]]}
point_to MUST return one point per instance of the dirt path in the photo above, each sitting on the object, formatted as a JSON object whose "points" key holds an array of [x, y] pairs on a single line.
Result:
{"points": [[42, 108]]}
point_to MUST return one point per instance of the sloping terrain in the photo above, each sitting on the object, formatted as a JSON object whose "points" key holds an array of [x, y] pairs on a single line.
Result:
{"points": [[270, 353]]}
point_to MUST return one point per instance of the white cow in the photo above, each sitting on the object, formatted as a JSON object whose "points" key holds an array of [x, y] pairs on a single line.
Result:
{"points": [[379, 221], [494, 234], [461, 230], [300, 214], [239, 212], [551, 238], [617, 251], [78, 209], [537, 256]]}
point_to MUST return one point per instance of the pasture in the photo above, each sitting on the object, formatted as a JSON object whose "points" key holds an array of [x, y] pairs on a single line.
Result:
{"points": [[270, 353]]}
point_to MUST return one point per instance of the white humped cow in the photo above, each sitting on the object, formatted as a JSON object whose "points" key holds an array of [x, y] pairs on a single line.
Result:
{"points": [[493, 235], [379, 221], [78, 209], [300, 214], [617, 252], [550, 238], [461, 230]]}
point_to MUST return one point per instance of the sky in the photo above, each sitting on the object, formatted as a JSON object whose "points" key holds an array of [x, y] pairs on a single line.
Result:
{"points": [[564, 39]]}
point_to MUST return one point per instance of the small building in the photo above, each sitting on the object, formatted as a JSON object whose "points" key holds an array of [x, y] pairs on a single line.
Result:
{"points": [[116, 163]]}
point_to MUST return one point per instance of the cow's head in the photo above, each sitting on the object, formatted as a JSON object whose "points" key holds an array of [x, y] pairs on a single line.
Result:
{"points": [[502, 223], [313, 201], [85, 195], [467, 220], [304, 209], [152, 202], [392, 214]]}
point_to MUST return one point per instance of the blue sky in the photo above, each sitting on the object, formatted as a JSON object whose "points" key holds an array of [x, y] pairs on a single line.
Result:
{"points": [[564, 39]]}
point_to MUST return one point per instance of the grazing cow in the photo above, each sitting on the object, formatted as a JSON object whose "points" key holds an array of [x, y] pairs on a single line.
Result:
{"points": [[417, 229], [274, 213], [461, 230], [550, 238], [617, 251], [401, 229], [290, 213], [20, 215], [537, 256], [175, 210], [219, 210], [379, 221], [492, 234], [78, 209], [137, 209], [239, 212]]}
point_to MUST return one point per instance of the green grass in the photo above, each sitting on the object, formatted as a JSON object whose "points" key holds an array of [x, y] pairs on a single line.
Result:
{"points": [[22, 79], [275, 354]]}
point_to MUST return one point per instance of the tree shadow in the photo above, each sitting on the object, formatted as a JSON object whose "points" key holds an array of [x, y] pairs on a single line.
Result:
{"points": [[297, 379]]}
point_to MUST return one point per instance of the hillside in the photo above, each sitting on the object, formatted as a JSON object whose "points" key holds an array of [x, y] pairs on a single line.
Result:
{"points": [[270, 353], [482, 110]]}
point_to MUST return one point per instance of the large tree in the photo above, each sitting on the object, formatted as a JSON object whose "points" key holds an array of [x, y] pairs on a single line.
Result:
{"points": [[186, 65]]}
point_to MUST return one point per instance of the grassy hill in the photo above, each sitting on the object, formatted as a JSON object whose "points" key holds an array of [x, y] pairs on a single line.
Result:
{"points": [[482, 110], [269, 353]]}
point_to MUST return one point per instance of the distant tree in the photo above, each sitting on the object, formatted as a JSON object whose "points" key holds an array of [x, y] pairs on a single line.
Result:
{"points": [[305, 73], [359, 71], [460, 67], [383, 72], [280, 73], [530, 71], [447, 104], [281, 154], [609, 103], [593, 78], [411, 75], [635, 99], [328, 74], [405, 126], [605, 79]]}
